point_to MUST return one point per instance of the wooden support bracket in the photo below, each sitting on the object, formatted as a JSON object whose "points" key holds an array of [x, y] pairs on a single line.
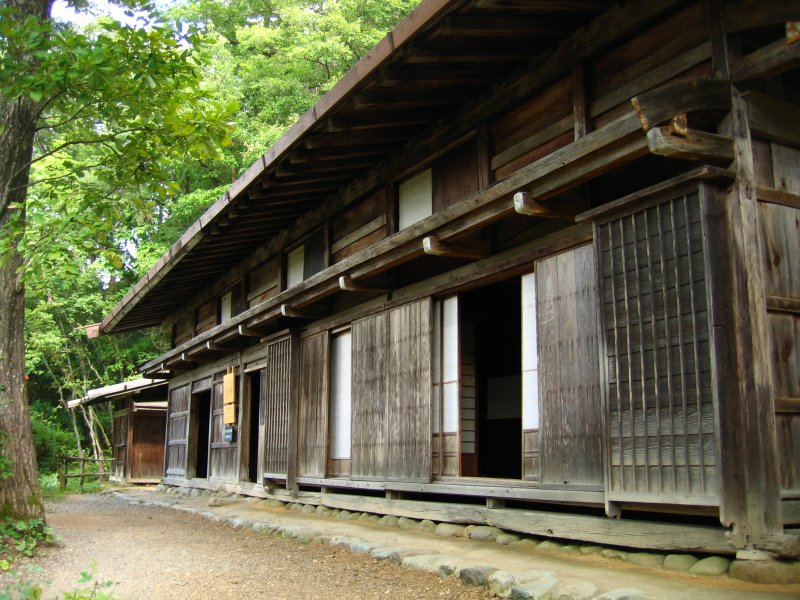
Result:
{"points": [[525, 204], [475, 249], [691, 145], [306, 312], [346, 284], [249, 332]]}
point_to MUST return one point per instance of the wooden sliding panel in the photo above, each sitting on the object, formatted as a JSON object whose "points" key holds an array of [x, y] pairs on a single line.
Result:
{"points": [[223, 465], [120, 435], [341, 349], [780, 238], [409, 392], [661, 438], [369, 436], [177, 432], [571, 415], [446, 389], [313, 406], [531, 442], [277, 396]]}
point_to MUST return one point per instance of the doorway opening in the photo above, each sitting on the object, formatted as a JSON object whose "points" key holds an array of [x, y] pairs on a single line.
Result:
{"points": [[201, 418], [492, 317], [253, 421]]}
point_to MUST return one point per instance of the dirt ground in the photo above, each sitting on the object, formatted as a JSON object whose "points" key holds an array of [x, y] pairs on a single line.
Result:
{"points": [[153, 553]]}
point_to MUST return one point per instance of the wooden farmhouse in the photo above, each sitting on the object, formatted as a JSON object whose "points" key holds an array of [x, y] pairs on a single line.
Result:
{"points": [[138, 435], [529, 263]]}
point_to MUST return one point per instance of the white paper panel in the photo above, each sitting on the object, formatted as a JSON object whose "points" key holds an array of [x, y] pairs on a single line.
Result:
{"points": [[294, 267], [530, 354], [451, 358], [451, 415], [415, 199], [226, 307], [341, 349]]}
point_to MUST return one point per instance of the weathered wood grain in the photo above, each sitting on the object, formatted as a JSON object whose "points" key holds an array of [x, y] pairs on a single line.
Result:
{"points": [[313, 405]]}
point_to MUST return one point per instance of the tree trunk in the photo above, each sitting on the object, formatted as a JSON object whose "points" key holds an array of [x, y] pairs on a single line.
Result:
{"points": [[20, 496]]}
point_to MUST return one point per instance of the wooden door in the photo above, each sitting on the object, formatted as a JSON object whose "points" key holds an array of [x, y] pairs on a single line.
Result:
{"points": [[277, 383], [569, 390], [121, 444], [223, 455], [177, 432], [368, 434], [313, 406], [147, 446]]}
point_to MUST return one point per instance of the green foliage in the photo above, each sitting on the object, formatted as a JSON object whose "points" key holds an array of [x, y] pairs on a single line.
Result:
{"points": [[21, 538], [50, 439], [6, 462], [90, 589]]}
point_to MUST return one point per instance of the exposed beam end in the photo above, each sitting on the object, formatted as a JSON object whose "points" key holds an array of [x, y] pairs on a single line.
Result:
{"points": [[474, 249], [525, 204]]}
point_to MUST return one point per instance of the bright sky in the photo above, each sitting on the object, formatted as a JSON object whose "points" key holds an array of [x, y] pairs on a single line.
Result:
{"points": [[62, 12]]}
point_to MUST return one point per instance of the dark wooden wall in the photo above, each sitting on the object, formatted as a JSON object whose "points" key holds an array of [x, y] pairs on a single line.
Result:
{"points": [[276, 384], [223, 464], [312, 439], [147, 446]]}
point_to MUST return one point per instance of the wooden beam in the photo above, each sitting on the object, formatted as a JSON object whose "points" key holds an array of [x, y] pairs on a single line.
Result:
{"points": [[784, 404], [783, 304], [693, 145], [678, 97], [346, 284], [773, 118], [249, 332], [773, 59], [782, 197], [474, 249], [307, 312], [525, 204]]}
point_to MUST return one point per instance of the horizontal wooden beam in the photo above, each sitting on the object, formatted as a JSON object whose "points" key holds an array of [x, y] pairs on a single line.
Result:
{"points": [[782, 197], [691, 145], [769, 61], [307, 312], [783, 304], [250, 332], [659, 105], [772, 118], [785, 404], [525, 204], [475, 249]]}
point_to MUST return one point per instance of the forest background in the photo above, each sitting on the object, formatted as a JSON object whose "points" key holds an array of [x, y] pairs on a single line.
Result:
{"points": [[264, 62]]}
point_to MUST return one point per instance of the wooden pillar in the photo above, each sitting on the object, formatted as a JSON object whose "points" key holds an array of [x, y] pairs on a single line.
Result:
{"points": [[749, 478], [294, 398]]}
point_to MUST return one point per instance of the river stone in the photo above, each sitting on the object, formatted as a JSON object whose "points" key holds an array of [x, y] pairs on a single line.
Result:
{"points": [[590, 549], [435, 563], [525, 543], [549, 545], [297, 507], [679, 562], [505, 539], [622, 594], [574, 590], [449, 530], [539, 589], [485, 533], [406, 523], [712, 565], [322, 511], [646, 559], [613, 553], [500, 582], [309, 508], [533, 575], [388, 520], [477, 576], [426, 526], [766, 571], [387, 553], [570, 548]]}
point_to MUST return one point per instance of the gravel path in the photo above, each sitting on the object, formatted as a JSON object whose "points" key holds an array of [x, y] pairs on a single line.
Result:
{"points": [[153, 553]]}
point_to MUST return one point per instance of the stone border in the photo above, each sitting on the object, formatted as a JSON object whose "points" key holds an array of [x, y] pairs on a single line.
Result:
{"points": [[755, 569]]}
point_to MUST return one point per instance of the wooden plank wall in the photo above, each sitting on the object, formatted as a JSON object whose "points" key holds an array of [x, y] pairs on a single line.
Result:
{"points": [[409, 392], [674, 48], [360, 226], [224, 455], [571, 417], [207, 316], [313, 409], [468, 417], [778, 167], [661, 427], [263, 282], [177, 431], [368, 458], [277, 382]]}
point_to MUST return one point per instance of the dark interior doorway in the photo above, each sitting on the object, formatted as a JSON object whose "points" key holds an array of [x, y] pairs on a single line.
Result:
{"points": [[201, 413], [494, 314], [255, 412]]}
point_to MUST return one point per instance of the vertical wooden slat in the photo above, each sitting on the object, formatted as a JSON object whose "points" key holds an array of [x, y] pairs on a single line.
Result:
{"points": [[276, 407], [177, 432]]}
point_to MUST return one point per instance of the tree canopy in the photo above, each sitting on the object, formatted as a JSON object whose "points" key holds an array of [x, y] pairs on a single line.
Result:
{"points": [[134, 129]]}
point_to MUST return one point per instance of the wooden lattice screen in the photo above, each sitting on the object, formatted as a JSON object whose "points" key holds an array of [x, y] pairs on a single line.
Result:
{"points": [[277, 392], [177, 431], [661, 441]]}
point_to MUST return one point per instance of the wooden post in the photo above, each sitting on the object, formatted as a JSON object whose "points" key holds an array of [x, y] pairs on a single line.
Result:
{"points": [[62, 473], [294, 397], [82, 461], [749, 478]]}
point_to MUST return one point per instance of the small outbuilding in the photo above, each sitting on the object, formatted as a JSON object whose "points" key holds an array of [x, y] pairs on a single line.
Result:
{"points": [[140, 410]]}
